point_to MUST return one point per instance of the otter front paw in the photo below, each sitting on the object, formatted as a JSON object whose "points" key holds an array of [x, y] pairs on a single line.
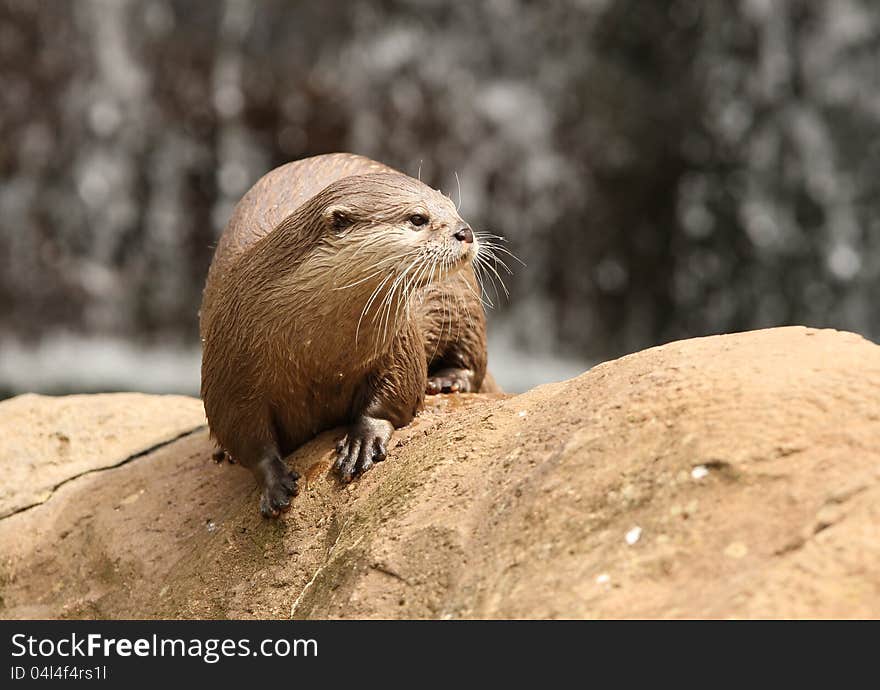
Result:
{"points": [[364, 444], [279, 486], [220, 455], [450, 381]]}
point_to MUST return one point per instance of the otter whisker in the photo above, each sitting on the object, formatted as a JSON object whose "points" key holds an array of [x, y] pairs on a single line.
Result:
{"points": [[385, 303], [418, 282], [491, 267], [498, 262], [449, 304], [389, 298], [473, 292], [376, 292], [485, 234], [494, 241], [362, 280], [408, 287], [491, 247], [389, 259], [490, 279], [497, 277], [481, 274], [461, 300], [447, 310], [406, 291], [435, 266], [367, 306]]}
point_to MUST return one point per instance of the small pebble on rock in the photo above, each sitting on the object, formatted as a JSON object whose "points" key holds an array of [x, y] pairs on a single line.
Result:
{"points": [[736, 550]]}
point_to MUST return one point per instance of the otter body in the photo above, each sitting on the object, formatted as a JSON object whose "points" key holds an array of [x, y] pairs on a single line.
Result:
{"points": [[340, 291]]}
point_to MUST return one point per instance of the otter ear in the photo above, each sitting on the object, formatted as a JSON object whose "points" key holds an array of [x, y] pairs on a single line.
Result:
{"points": [[338, 218]]}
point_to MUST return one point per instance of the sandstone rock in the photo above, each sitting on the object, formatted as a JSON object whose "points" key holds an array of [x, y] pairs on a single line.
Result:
{"points": [[748, 465], [45, 441]]}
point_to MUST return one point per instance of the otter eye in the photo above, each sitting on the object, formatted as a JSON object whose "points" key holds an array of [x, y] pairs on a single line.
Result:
{"points": [[418, 219]]}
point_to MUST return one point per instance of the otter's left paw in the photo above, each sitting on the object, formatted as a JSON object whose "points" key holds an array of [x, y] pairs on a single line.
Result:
{"points": [[221, 455], [450, 381], [278, 488], [364, 444]]}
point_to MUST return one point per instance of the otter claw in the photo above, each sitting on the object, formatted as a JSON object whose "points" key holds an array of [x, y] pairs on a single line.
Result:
{"points": [[279, 486], [449, 381], [220, 455], [364, 445]]}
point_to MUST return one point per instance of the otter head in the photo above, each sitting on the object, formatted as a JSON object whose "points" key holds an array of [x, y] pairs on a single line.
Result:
{"points": [[398, 228]]}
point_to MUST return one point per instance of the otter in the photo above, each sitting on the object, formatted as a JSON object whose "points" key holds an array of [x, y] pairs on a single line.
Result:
{"points": [[340, 292]]}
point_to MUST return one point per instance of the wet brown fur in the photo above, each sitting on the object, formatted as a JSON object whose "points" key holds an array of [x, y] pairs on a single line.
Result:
{"points": [[288, 350]]}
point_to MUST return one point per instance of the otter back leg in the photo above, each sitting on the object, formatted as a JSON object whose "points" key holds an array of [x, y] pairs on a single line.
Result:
{"points": [[389, 398], [259, 452], [454, 327]]}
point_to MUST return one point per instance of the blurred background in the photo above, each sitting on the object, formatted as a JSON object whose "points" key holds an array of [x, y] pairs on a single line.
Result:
{"points": [[664, 169]]}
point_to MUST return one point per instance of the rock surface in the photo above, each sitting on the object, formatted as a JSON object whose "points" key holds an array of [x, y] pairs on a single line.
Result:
{"points": [[731, 476], [45, 441]]}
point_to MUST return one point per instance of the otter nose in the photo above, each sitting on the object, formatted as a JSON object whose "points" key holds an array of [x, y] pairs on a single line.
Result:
{"points": [[464, 234]]}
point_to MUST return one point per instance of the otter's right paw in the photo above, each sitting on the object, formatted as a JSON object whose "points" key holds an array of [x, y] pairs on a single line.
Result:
{"points": [[364, 444], [279, 486]]}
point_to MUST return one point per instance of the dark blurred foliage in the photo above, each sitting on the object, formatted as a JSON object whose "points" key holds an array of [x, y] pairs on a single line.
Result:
{"points": [[665, 169]]}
